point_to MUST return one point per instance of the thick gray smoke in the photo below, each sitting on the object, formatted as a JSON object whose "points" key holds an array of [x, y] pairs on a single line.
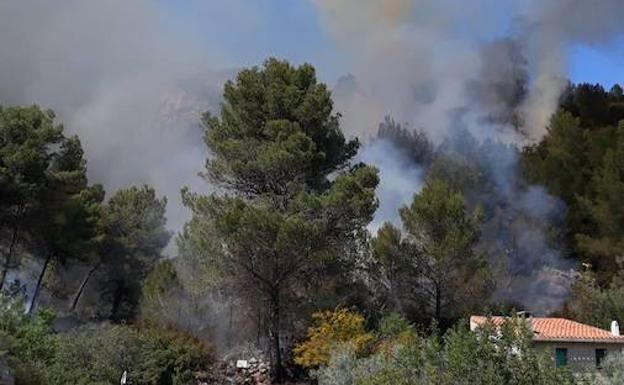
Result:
{"points": [[123, 78], [416, 59], [494, 69], [119, 76]]}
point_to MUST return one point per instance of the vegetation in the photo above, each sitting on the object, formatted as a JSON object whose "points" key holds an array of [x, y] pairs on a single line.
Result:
{"points": [[458, 357], [433, 272], [282, 219], [283, 236]]}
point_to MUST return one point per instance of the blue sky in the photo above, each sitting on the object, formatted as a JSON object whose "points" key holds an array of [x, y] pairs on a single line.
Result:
{"points": [[604, 65], [245, 32]]}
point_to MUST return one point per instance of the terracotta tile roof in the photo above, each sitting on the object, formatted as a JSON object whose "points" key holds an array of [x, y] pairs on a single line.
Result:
{"points": [[558, 329]]}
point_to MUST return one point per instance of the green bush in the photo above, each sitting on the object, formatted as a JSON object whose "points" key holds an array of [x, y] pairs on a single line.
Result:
{"points": [[151, 355], [96, 354], [460, 357], [26, 343]]}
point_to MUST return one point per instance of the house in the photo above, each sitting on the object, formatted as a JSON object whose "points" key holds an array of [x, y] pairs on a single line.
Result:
{"points": [[570, 343]]}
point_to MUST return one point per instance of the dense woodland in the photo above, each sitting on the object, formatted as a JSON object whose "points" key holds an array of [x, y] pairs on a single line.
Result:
{"points": [[278, 262]]}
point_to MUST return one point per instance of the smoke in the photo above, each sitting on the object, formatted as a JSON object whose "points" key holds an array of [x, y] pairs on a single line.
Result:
{"points": [[119, 76], [489, 73], [400, 178], [417, 59]]}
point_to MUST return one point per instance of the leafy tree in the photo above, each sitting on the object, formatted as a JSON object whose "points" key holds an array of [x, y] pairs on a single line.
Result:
{"points": [[26, 341], [330, 329], [604, 244], [290, 203], [616, 92], [437, 255], [47, 208], [29, 141], [595, 305], [560, 160], [612, 371], [134, 237], [413, 143], [69, 225]]}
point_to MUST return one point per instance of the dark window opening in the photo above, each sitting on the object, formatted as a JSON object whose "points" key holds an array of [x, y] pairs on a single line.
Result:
{"points": [[561, 357], [600, 355]]}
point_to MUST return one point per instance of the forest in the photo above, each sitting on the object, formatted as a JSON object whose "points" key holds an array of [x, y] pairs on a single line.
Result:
{"points": [[278, 263]]}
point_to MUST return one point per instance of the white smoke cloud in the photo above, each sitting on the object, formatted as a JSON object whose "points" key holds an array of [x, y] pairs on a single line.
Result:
{"points": [[494, 68], [114, 72]]}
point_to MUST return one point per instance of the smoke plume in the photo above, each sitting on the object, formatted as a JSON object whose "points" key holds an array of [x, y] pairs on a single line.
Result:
{"points": [[120, 78], [490, 71]]}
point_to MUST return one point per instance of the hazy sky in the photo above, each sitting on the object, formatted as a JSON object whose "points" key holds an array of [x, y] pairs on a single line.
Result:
{"points": [[130, 77], [245, 32]]}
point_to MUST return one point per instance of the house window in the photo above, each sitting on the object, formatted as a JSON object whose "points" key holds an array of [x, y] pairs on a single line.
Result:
{"points": [[561, 357], [600, 354]]}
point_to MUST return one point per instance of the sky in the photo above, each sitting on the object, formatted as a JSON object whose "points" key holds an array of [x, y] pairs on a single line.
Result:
{"points": [[245, 32], [131, 77]]}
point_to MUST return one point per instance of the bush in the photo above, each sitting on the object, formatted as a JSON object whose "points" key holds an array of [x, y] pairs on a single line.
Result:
{"points": [[460, 357], [612, 372], [151, 355], [331, 329], [26, 343]]}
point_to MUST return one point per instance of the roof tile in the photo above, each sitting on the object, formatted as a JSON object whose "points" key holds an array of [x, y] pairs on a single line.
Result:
{"points": [[558, 329]]}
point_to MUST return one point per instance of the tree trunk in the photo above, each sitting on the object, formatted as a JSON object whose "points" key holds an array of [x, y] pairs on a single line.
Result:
{"points": [[117, 298], [9, 256], [277, 370], [438, 304], [35, 296], [83, 284]]}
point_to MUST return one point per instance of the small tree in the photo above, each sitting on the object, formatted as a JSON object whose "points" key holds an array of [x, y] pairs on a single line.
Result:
{"points": [[29, 141], [436, 257], [134, 236]]}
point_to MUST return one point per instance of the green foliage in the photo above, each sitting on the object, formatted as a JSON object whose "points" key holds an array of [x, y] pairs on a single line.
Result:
{"points": [[292, 203], [100, 354], [579, 160], [414, 144], [96, 354], [135, 238], [46, 206], [277, 128], [486, 356], [612, 372], [434, 268], [560, 159], [159, 292], [589, 303], [603, 243], [26, 342]]}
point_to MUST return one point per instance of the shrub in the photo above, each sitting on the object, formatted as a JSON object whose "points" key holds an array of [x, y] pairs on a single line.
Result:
{"points": [[26, 342], [151, 355], [331, 329], [460, 357]]}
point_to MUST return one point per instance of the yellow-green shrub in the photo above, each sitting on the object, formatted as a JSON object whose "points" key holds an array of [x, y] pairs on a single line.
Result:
{"points": [[332, 328]]}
